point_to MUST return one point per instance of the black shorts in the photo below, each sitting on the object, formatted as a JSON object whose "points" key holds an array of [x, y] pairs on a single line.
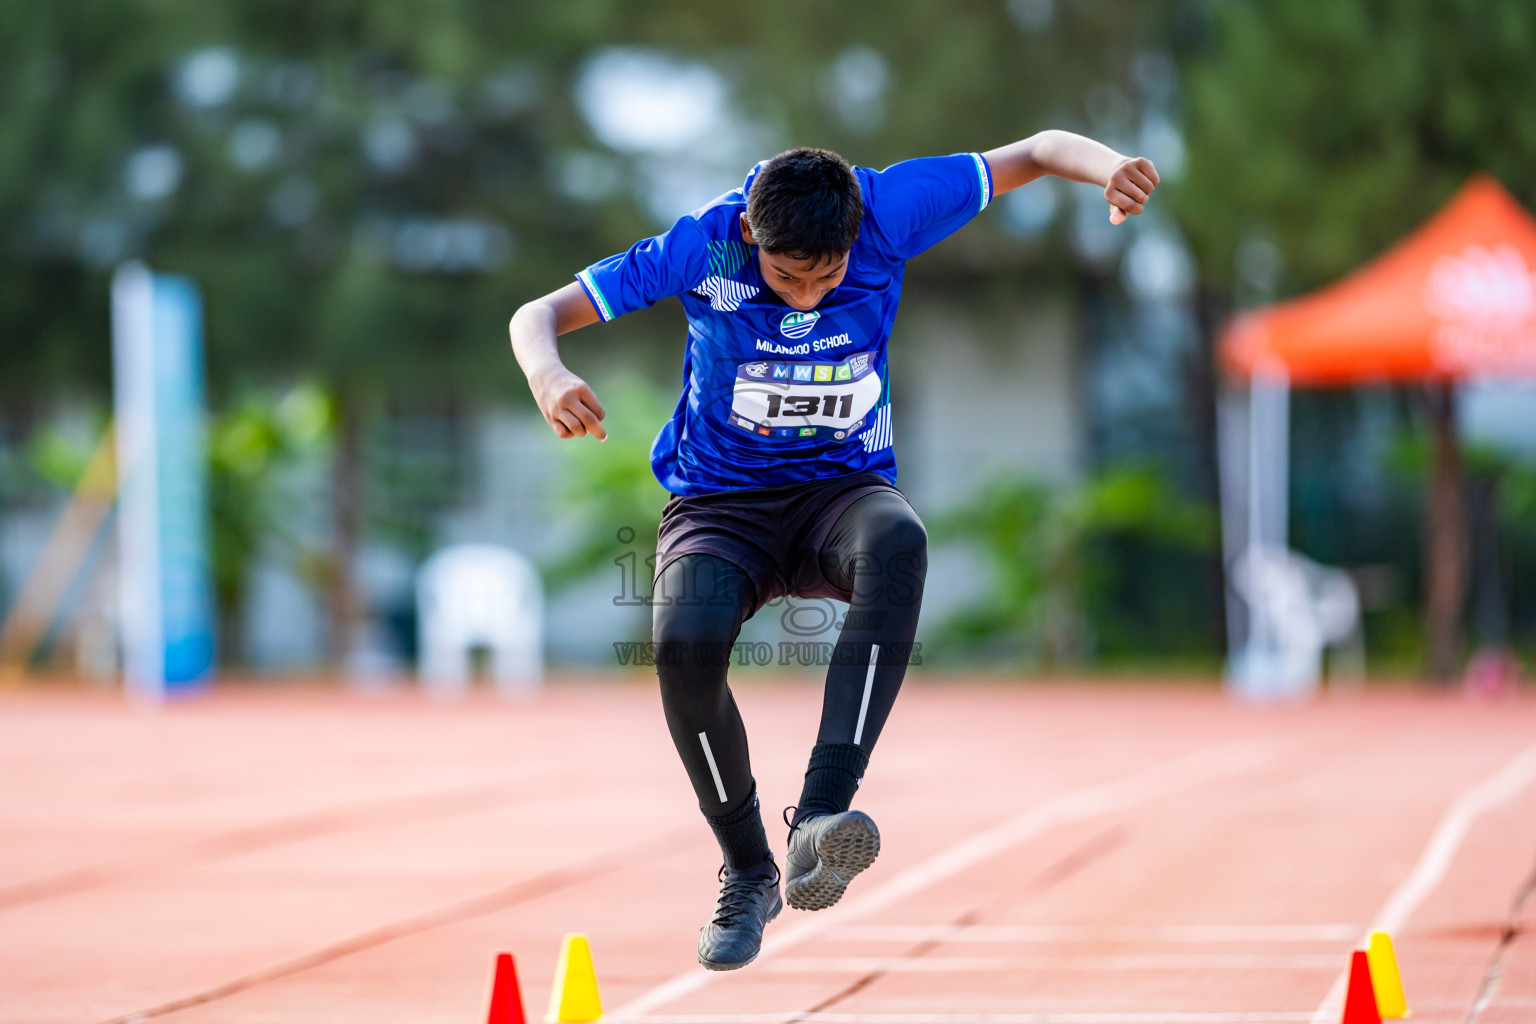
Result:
{"points": [[772, 533]]}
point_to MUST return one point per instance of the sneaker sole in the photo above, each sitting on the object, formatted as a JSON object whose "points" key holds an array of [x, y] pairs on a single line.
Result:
{"points": [[842, 852], [722, 965]]}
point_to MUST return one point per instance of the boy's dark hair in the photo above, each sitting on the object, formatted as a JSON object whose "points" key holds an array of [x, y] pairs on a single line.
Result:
{"points": [[805, 203]]}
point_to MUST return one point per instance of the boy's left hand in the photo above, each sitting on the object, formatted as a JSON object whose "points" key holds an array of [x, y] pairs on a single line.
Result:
{"points": [[1129, 188]]}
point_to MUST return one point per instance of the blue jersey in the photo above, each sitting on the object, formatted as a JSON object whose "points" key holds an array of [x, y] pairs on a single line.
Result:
{"points": [[772, 395]]}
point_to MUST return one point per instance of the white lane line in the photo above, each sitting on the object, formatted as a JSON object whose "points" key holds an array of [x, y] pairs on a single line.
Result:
{"points": [[713, 769], [1029, 933], [1499, 788], [869, 684], [1040, 1017], [982, 964], [1218, 762]]}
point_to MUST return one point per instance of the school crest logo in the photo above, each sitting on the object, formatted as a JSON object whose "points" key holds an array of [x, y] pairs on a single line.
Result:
{"points": [[798, 325], [756, 369]]}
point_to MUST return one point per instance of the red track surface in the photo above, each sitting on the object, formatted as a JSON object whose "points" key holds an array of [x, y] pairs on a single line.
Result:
{"points": [[1055, 855]]}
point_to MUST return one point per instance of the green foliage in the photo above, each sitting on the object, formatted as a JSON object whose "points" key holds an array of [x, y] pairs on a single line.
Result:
{"points": [[290, 192], [59, 457], [1518, 504], [255, 449], [1333, 127], [348, 121], [1050, 554], [255, 452], [608, 490], [1500, 513]]}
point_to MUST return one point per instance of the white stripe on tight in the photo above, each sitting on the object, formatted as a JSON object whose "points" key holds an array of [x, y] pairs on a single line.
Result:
{"points": [[869, 683], [713, 768]]}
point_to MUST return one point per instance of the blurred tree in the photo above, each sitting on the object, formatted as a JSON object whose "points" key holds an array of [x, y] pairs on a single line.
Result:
{"points": [[1050, 565], [254, 450], [352, 184], [1321, 131], [1329, 129], [1502, 540], [610, 489], [366, 190]]}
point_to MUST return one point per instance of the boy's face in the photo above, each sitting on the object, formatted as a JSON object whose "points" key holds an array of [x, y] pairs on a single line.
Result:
{"points": [[801, 283]]}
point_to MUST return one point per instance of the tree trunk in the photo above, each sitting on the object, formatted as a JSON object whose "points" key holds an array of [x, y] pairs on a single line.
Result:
{"points": [[1202, 388], [231, 632], [346, 515], [1445, 539]]}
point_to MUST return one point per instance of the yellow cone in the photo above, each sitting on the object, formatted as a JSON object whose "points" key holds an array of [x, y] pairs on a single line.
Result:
{"points": [[574, 999], [1384, 977]]}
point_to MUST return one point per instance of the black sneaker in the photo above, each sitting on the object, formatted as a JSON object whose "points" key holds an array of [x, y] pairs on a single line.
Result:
{"points": [[735, 934], [825, 852]]}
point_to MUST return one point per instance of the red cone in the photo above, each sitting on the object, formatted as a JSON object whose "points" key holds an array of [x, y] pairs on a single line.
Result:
{"points": [[507, 998], [1360, 1000]]}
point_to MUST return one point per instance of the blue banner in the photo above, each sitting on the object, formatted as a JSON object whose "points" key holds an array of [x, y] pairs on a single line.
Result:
{"points": [[165, 577]]}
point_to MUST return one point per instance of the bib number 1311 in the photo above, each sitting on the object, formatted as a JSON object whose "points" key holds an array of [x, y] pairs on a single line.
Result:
{"points": [[809, 405]]}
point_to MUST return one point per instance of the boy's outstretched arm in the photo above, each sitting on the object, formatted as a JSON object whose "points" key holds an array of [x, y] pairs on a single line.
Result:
{"points": [[1127, 181], [568, 404]]}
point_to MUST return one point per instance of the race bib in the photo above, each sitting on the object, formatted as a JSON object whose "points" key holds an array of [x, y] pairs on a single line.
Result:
{"points": [[805, 400]]}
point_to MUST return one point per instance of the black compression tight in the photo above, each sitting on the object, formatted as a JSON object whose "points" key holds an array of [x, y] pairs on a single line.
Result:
{"points": [[701, 602], [877, 551]]}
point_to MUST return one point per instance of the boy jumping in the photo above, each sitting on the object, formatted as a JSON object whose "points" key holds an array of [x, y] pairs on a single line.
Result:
{"points": [[779, 461]]}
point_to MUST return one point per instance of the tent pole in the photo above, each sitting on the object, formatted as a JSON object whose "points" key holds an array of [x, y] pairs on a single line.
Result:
{"points": [[1233, 462], [1255, 490], [1258, 635], [1276, 467], [1445, 539], [1268, 483]]}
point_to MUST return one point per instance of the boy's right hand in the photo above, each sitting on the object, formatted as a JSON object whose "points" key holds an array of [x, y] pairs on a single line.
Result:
{"points": [[568, 404], [1129, 188]]}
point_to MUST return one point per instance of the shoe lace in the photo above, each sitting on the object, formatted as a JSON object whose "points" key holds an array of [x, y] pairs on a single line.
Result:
{"points": [[738, 896]]}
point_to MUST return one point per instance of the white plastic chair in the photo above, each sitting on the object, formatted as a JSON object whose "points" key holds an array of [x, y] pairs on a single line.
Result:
{"points": [[480, 596], [1297, 609]]}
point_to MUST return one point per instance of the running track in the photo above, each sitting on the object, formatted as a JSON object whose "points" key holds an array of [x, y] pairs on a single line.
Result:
{"points": [[1053, 855]]}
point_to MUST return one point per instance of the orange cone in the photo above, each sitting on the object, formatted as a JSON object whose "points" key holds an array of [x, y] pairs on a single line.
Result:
{"points": [[506, 997], [1360, 1000]]}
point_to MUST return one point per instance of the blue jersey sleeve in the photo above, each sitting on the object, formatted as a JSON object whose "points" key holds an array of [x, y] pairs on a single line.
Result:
{"points": [[670, 263], [918, 203]]}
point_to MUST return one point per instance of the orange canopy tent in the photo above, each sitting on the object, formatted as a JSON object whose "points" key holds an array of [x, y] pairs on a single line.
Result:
{"points": [[1457, 298]]}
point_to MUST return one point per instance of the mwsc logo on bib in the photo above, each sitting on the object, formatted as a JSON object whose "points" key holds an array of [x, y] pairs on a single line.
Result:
{"points": [[798, 325]]}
